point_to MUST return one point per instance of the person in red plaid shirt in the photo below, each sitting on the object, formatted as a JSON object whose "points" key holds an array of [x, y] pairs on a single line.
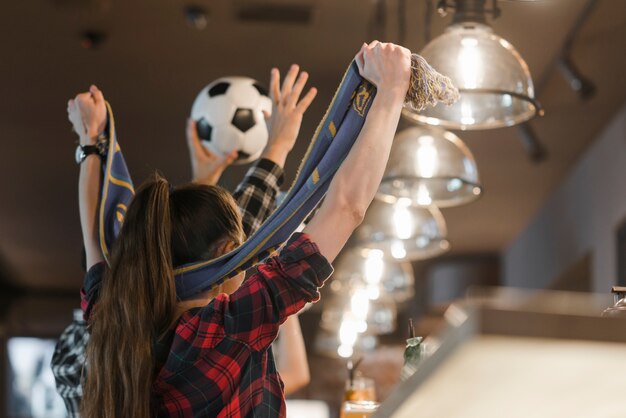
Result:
{"points": [[256, 198], [210, 356]]}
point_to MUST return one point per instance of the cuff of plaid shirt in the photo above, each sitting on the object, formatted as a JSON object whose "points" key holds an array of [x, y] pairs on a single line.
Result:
{"points": [[302, 258], [264, 173], [91, 288]]}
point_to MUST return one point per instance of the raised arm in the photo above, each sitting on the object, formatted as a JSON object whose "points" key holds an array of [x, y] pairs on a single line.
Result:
{"points": [[88, 115], [256, 194], [352, 189]]}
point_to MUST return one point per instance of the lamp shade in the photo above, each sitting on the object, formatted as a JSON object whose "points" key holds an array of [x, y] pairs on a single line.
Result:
{"points": [[359, 267], [354, 314], [402, 231], [430, 166], [329, 343], [493, 79]]}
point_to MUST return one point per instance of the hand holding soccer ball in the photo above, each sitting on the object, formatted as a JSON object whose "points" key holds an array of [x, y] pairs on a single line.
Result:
{"points": [[206, 166], [229, 115]]}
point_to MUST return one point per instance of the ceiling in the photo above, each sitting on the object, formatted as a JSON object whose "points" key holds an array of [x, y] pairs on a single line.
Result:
{"points": [[152, 65]]}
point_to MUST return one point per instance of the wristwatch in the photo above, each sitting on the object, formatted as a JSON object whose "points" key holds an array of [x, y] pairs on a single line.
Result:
{"points": [[82, 151]]}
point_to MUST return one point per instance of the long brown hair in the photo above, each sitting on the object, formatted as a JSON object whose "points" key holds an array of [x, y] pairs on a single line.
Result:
{"points": [[138, 296]]}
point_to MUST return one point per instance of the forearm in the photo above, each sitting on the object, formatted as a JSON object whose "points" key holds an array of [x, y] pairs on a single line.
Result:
{"points": [[357, 180], [293, 366], [88, 198], [277, 154]]}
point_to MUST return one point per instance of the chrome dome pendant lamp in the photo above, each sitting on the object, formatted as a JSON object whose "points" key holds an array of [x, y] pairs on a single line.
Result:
{"points": [[430, 166], [402, 232], [495, 86]]}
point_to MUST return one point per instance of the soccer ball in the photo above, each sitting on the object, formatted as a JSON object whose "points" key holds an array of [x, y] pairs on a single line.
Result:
{"points": [[229, 116]]}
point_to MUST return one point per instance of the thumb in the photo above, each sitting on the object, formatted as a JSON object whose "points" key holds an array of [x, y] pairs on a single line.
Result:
{"points": [[96, 93], [230, 158]]}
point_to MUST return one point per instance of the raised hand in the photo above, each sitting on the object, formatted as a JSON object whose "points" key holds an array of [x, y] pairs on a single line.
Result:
{"points": [[385, 65], [287, 111], [88, 115], [206, 167]]}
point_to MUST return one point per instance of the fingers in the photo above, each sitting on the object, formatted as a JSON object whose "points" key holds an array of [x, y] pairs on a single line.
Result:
{"points": [[274, 85], [96, 94], [359, 59], [82, 99], [297, 89], [220, 163], [290, 78], [230, 158], [306, 100]]}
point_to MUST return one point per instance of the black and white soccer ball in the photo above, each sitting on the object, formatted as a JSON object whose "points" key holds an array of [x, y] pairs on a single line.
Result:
{"points": [[229, 116]]}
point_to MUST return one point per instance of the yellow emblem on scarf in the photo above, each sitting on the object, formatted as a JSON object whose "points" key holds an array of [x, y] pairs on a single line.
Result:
{"points": [[362, 98], [121, 212]]}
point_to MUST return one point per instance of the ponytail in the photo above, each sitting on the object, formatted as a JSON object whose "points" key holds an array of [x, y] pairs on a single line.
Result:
{"points": [[135, 307]]}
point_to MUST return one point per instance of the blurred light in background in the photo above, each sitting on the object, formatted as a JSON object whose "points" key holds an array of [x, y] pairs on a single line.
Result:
{"points": [[367, 269], [350, 317], [301, 408], [31, 386]]}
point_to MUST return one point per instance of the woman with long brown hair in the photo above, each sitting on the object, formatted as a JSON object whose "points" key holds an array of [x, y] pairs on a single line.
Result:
{"points": [[151, 354]]}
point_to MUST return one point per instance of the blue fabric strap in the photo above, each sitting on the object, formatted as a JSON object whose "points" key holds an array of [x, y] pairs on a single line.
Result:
{"points": [[331, 143]]}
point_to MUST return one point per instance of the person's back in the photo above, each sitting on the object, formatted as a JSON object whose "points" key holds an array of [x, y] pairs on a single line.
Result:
{"points": [[220, 355], [216, 360]]}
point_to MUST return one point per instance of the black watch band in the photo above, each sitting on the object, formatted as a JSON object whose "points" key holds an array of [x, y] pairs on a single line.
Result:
{"points": [[82, 151]]}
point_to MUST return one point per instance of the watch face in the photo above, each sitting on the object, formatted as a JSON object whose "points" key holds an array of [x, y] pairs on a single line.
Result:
{"points": [[80, 154]]}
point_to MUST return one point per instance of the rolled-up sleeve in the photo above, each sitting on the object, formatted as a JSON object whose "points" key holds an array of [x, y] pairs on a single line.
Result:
{"points": [[256, 195], [281, 287], [91, 288]]}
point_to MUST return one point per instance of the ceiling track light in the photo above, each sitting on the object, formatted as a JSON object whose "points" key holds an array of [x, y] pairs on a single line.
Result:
{"points": [[197, 17], [533, 147], [584, 87], [468, 10], [92, 39]]}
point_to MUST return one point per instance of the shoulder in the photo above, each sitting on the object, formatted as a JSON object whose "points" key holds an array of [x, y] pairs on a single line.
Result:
{"points": [[203, 325]]}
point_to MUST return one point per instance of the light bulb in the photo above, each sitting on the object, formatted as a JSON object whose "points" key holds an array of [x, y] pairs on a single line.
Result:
{"points": [[348, 333], [423, 196], [402, 220], [374, 266], [470, 62], [345, 351], [397, 250], [427, 159]]}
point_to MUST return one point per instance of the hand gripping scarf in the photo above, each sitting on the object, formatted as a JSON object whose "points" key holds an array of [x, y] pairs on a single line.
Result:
{"points": [[331, 143]]}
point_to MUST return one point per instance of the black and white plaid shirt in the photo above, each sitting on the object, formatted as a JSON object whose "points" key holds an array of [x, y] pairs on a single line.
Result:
{"points": [[256, 198], [256, 194]]}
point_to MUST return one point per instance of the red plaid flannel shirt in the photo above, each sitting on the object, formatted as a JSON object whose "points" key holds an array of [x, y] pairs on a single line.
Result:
{"points": [[219, 362]]}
